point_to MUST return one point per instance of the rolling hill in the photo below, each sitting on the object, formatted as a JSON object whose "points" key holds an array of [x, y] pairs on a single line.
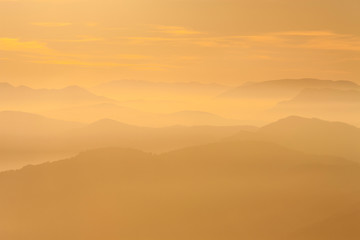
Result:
{"points": [[237, 190], [28, 138], [312, 136], [331, 104], [342, 225], [92, 113], [14, 123], [55, 137], [123, 89], [285, 88], [23, 98]]}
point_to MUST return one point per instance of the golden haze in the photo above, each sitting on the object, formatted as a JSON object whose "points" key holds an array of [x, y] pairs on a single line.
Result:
{"points": [[179, 119]]}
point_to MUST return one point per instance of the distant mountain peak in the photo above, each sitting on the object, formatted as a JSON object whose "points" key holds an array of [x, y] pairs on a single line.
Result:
{"points": [[286, 88], [107, 122], [296, 122], [314, 95], [75, 88], [9, 113], [299, 81], [5, 85], [194, 113], [297, 119]]}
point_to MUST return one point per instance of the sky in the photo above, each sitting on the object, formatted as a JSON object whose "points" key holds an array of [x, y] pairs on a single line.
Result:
{"points": [[55, 43]]}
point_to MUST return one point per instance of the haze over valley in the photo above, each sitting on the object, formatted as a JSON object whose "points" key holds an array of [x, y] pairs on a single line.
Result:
{"points": [[179, 120]]}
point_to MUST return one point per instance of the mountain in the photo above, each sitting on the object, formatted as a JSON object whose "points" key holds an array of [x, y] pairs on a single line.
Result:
{"points": [[28, 138], [96, 112], [285, 88], [312, 136], [57, 138], [123, 89], [26, 99], [192, 118], [92, 113], [110, 133], [237, 190], [24, 124], [324, 96], [343, 225], [35, 135], [331, 104]]}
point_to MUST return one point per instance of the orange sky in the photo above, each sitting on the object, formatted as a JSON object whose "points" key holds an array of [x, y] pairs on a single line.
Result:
{"points": [[53, 43]]}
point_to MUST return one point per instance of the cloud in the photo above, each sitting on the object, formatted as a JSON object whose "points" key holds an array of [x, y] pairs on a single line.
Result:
{"points": [[132, 57], [320, 40], [176, 30], [51, 24], [79, 39], [333, 44], [267, 39], [260, 57], [306, 33], [190, 58], [317, 40], [84, 63], [92, 24], [15, 45], [152, 39], [79, 63]]}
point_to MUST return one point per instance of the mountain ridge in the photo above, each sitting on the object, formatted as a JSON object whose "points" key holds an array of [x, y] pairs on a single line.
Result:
{"points": [[284, 88]]}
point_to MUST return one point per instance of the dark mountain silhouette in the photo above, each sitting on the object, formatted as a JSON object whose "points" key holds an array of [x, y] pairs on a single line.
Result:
{"points": [[26, 98], [285, 88], [236, 190]]}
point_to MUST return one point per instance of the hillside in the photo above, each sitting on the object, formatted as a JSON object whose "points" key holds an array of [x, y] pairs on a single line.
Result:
{"points": [[285, 88], [96, 112], [217, 191], [28, 138], [24, 98], [325, 95], [312, 136], [331, 104], [146, 89], [342, 225], [25, 124]]}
